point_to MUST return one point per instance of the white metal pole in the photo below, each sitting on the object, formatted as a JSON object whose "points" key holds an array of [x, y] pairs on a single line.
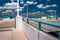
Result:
{"points": [[17, 7], [55, 12], [27, 10], [18, 18]]}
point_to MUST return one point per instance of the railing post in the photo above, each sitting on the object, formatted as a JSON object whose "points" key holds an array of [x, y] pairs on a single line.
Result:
{"points": [[39, 25], [23, 19], [27, 21], [15, 22], [59, 35]]}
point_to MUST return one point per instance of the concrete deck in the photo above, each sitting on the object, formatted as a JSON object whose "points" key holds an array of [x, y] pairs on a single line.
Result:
{"points": [[11, 34]]}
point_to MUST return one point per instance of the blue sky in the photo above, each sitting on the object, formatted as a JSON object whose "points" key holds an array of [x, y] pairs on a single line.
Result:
{"points": [[35, 7]]}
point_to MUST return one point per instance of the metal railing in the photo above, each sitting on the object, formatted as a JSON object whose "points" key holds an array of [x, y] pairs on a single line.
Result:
{"points": [[45, 26]]}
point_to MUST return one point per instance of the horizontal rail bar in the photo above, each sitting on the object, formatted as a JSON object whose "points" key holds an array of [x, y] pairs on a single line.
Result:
{"points": [[45, 22]]}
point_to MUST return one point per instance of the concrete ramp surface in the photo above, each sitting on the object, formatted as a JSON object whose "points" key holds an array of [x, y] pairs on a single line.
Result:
{"points": [[11, 34]]}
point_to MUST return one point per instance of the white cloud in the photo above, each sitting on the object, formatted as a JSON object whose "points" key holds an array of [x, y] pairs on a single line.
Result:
{"points": [[29, 2], [47, 6], [40, 6], [54, 5], [10, 5], [7, 7], [22, 2], [33, 13], [12, 0], [0, 7], [44, 7], [19, 9], [25, 4], [7, 11], [51, 10], [35, 3]]}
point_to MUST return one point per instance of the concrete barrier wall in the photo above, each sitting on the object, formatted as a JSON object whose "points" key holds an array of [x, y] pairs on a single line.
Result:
{"points": [[33, 34], [24, 28], [30, 32]]}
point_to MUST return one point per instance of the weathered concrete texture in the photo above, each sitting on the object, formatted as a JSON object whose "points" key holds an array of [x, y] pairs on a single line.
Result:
{"points": [[12, 34]]}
